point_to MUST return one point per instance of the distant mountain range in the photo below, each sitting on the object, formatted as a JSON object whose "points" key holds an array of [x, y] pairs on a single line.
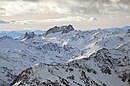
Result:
{"points": [[15, 34], [63, 56]]}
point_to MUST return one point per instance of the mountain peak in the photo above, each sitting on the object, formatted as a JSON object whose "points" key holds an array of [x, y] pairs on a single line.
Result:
{"points": [[62, 29], [29, 35]]}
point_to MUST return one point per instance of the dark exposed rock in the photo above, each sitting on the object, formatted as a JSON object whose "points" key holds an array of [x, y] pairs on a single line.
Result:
{"points": [[128, 31], [29, 35], [106, 70], [64, 81], [129, 81], [68, 29], [62, 29], [71, 77], [125, 77], [23, 76], [104, 84]]}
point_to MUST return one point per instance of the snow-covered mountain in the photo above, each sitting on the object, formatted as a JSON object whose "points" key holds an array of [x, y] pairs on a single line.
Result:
{"points": [[61, 46], [106, 67]]}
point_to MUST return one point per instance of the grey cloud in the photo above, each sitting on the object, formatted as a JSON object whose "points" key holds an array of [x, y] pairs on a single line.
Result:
{"points": [[2, 8], [103, 6], [76, 6], [95, 6], [32, 0]]}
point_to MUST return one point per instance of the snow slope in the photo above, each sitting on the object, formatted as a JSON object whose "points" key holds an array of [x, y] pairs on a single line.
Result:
{"points": [[106, 67]]}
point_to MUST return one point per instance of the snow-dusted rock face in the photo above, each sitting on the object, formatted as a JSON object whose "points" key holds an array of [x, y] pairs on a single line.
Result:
{"points": [[106, 67], [60, 45], [62, 29], [29, 35]]}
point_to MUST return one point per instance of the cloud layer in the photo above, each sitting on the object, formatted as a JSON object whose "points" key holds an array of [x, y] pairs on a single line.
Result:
{"points": [[66, 7]]}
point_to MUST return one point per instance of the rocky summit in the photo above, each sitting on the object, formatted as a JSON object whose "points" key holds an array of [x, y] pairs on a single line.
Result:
{"points": [[29, 35], [61, 29]]}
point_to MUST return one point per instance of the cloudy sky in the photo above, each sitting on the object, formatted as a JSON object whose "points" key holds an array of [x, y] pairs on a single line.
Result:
{"points": [[83, 14]]}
